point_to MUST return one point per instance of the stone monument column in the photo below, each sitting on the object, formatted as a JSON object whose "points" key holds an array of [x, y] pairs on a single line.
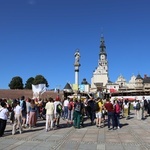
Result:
{"points": [[76, 66]]}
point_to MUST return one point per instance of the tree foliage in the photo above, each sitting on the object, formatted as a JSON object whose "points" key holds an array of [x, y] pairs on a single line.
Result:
{"points": [[16, 83], [39, 79], [29, 82]]}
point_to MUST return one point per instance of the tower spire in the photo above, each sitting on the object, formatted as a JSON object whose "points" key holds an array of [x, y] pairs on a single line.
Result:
{"points": [[102, 46], [100, 75]]}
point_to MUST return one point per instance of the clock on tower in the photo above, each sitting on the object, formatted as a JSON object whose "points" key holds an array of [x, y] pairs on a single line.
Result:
{"points": [[102, 56]]}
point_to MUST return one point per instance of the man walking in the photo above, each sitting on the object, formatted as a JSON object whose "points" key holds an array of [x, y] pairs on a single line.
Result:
{"points": [[49, 114], [110, 111], [18, 118]]}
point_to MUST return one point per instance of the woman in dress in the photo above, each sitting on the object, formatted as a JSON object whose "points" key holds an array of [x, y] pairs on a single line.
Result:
{"points": [[32, 114]]}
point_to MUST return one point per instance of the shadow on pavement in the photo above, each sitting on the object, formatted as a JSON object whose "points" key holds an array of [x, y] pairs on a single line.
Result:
{"points": [[125, 124]]}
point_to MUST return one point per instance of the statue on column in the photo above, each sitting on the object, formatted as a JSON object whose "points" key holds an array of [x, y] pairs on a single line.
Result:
{"points": [[77, 57]]}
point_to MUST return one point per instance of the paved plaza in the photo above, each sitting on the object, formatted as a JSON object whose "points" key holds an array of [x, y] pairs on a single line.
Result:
{"points": [[133, 135]]}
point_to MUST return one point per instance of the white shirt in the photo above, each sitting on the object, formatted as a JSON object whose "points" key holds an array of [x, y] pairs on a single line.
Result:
{"points": [[142, 103], [125, 105], [55, 105], [49, 108], [66, 102], [27, 106], [3, 113], [17, 110], [134, 104]]}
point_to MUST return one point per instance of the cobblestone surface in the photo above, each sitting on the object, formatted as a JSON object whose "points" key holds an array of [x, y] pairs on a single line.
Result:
{"points": [[134, 134]]}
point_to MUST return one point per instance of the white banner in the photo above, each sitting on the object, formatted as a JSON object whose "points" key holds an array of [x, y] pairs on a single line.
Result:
{"points": [[38, 89]]}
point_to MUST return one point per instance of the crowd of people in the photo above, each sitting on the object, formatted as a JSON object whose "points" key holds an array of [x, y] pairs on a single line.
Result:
{"points": [[24, 112], [142, 108]]}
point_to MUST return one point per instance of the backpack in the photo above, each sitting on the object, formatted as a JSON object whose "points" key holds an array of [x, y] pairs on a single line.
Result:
{"points": [[138, 106], [96, 106], [59, 108], [78, 107], [70, 106]]}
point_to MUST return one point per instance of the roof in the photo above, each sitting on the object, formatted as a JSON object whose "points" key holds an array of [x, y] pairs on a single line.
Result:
{"points": [[68, 88], [139, 77], [110, 81], [84, 81], [146, 80]]}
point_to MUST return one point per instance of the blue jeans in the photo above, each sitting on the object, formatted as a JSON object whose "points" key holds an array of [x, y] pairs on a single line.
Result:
{"points": [[70, 114], [111, 116], [117, 122], [65, 112]]}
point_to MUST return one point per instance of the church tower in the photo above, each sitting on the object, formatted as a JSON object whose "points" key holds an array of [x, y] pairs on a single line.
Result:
{"points": [[100, 75]]}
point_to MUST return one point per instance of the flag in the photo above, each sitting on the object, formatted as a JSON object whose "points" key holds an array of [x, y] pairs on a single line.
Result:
{"points": [[43, 90]]}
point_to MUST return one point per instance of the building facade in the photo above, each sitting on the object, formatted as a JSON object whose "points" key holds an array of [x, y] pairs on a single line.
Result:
{"points": [[100, 78], [135, 84]]}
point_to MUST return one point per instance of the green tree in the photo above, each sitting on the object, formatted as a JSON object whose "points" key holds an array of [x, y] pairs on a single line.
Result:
{"points": [[29, 82], [39, 79], [16, 83]]}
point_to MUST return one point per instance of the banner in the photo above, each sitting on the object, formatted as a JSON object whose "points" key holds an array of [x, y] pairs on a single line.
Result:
{"points": [[75, 87], [38, 89]]}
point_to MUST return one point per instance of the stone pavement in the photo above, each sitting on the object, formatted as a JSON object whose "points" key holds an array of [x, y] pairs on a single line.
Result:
{"points": [[133, 135]]}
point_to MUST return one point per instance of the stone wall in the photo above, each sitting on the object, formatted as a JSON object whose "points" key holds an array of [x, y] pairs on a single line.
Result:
{"points": [[12, 94]]}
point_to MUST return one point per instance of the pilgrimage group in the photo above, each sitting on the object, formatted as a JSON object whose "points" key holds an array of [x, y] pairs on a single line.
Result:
{"points": [[24, 113]]}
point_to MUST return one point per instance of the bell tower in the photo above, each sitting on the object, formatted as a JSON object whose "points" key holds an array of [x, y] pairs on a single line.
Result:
{"points": [[103, 63], [100, 75]]}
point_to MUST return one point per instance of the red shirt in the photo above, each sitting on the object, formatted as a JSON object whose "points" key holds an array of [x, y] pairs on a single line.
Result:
{"points": [[109, 107]]}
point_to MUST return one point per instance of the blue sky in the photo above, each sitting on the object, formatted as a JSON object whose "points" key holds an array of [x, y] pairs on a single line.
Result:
{"points": [[41, 37]]}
